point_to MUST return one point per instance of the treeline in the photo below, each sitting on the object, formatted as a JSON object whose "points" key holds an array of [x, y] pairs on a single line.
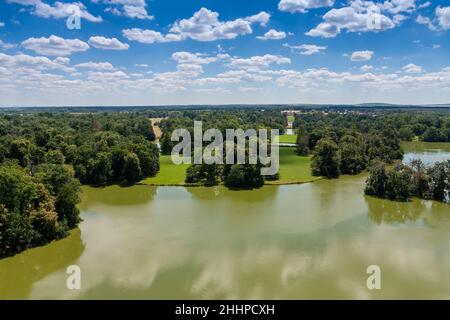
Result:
{"points": [[345, 143], [44, 157], [402, 182], [429, 126], [221, 120]]}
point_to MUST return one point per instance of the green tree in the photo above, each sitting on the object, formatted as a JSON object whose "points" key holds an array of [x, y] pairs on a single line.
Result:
{"points": [[132, 168], [20, 150], [352, 155], [325, 159], [439, 180], [244, 176], [61, 182], [376, 182], [433, 134], [406, 133]]}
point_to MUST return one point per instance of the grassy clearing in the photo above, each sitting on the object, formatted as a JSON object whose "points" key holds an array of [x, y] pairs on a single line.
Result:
{"points": [[293, 169], [290, 118], [169, 173], [288, 138]]}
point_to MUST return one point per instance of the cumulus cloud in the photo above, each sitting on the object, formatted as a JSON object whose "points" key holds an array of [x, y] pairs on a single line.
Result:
{"points": [[100, 66], [262, 18], [365, 55], [443, 17], [22, 61], [363, 16], [55, 46], [412, 68], [397, 6], [100, 42], [258, 61], [306, 49], [136, 9], [149, 36], [366, 68], [204, 25], [58, 10], [303, 5], [183, 57], [273, 34]]}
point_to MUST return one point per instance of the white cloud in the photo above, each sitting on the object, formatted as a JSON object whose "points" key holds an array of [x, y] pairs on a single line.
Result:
{"points": [[424, 5], [262, 18], [204, 25], [214, 91], [273, 34], [2, 24], [23, 61], [100, 42], [250, 89], [141, 65], [55, 46], [436, 46], [303, 5], [306, 49], [107, 77], [59, 10], [136, 9], [100, 66], [397, 6], [324, 30], [443, 17], [365, 55], [362, 16], [5, 45], [426, 21], [183, 57], [366, 68], [412, 68], [258, 61], [149, 36]]}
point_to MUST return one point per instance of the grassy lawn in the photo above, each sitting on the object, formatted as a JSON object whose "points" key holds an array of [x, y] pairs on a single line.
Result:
{"points": [[290, 118], [288, 138], [293, 169], [169, 173]]}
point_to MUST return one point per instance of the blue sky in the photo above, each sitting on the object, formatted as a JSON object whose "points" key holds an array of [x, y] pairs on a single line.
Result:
{"points": [[148, 52]]}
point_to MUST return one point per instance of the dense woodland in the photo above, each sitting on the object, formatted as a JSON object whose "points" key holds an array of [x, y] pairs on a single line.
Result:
{"points": [[46, 156]]}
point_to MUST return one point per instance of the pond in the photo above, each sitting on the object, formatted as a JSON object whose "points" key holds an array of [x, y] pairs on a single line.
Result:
{"points": [[311, 241]]}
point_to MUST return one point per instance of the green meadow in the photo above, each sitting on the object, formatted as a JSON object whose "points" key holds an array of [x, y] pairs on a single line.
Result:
{"points": [[293, 169], [288, 138]]}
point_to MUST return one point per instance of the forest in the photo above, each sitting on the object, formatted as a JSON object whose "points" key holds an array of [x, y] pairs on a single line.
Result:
{"points": [[45, 157]]}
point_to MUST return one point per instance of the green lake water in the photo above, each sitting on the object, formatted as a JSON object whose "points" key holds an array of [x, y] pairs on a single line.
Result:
{"points": [[312, 241]]}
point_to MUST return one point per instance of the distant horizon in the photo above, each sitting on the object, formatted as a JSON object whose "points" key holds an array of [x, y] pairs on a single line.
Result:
{"points": [[363, 104]]}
